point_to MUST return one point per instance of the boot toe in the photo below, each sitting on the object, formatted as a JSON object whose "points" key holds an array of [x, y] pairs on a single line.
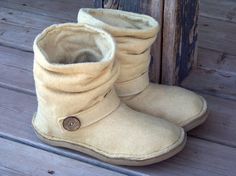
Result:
{"points": [[186, 107], [133, 138], [175, 104]]}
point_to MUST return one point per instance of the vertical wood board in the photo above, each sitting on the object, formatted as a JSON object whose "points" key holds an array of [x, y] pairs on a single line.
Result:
{"points": [[179, 46]]}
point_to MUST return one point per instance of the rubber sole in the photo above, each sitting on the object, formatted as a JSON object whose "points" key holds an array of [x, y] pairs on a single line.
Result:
{"points": [[196, 122], [199, 120], [115, 161]]}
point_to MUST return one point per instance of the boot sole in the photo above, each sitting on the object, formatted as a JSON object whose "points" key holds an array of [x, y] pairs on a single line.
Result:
{"points": [[198, 121], [115, 161]]}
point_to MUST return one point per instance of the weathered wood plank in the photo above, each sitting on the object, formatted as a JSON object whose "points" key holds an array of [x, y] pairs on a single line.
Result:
{"points": [[221, 122], [20, 22], [60, 9], [10, 172], [19, 159], [219, 61], [170, 41], [153, 8], [179, 40], [212, 82], [18, 29], [17, 36], [198, 157], [26, 19], [218, 9], [215, 74], [16, 69], [217, 35]]}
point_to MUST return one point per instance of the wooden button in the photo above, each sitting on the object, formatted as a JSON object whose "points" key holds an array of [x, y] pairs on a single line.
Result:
{"points": [[71, 123]]}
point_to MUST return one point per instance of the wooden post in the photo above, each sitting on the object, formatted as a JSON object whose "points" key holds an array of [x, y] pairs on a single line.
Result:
{"points": [[179, 47], [174, 52]]}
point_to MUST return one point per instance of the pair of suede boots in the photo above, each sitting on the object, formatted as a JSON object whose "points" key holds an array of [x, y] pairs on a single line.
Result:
{"points": [[94, 94]]}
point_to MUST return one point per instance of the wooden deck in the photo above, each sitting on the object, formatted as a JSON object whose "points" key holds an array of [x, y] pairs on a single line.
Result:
{"points": [[211, 148]]}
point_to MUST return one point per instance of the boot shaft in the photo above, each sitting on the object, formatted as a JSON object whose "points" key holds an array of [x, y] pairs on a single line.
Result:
{"points": [[74, 68], [133, 33]]}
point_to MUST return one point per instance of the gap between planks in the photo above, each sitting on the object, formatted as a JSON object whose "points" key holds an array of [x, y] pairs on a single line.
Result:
{"points": [[217, 35], [68, 154], [34, 161], [214, 60], [212, 83], [215, 75], [218, 9], [68, 11]]}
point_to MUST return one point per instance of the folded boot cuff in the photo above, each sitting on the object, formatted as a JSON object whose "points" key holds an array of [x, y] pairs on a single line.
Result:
{"points": [[73, 58], [146, 27], [42, 58]]}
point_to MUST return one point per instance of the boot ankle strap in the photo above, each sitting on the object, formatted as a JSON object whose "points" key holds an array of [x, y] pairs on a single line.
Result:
{"points": [[97, 112], [133, 86]]}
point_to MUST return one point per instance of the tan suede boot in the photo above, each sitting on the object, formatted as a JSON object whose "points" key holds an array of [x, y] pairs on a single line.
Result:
{"points": [[134, 35], [74, 72]]}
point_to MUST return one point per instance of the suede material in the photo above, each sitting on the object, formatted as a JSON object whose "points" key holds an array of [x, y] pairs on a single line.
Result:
{"points": [[134, 35], [60, 85], [74, 71], [133, 86], [125, 133], [173, 103], [62, 88]]}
